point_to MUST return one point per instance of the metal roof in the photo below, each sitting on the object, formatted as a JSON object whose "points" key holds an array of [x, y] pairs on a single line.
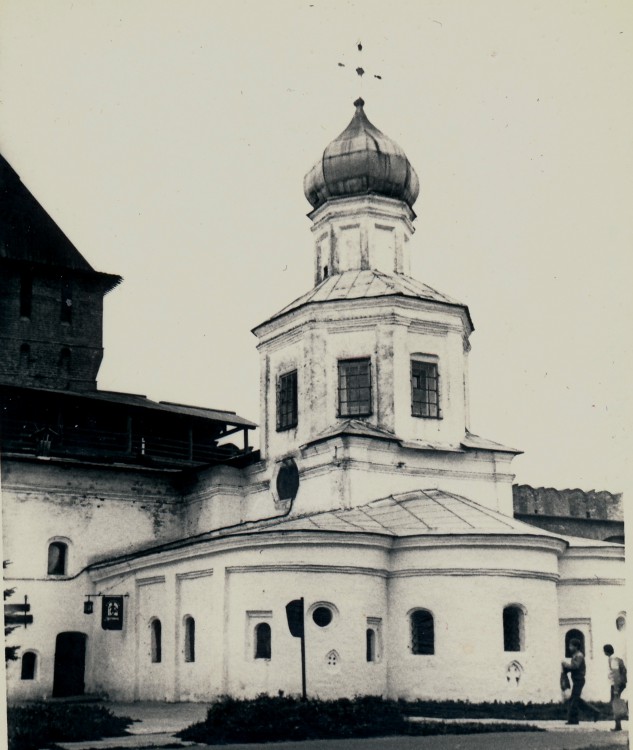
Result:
{"points": [[368, 284]]}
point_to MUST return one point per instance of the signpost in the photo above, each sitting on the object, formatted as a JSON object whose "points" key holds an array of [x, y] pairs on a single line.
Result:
{"points": [[16, 614], [296, 625]]}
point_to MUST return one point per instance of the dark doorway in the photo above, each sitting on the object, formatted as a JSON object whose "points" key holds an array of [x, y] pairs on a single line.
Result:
{"points": [[579, 636], [70, 662]]}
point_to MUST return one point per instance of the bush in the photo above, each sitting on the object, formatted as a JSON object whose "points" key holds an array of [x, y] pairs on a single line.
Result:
{"points": [[266, 719], [269, 719], [493, 710], [37, 725]]}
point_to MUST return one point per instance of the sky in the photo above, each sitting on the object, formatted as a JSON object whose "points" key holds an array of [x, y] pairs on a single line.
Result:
{"points": [[169, 140]]}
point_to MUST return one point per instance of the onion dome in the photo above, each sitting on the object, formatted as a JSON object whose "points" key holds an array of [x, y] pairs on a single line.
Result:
{"points": [[361, 160]]}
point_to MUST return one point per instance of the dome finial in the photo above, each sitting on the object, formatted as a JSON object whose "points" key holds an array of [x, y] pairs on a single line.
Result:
{"points": [[360, 102]]}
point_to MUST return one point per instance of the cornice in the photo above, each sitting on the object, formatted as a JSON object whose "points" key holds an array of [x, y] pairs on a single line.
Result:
{"points": [[595, 581], [149, 581], [474, 572], [309, 568], [194, 574]]}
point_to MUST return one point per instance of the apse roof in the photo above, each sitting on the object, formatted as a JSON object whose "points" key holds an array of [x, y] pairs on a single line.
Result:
{"points": [[367, 284], [421, 512]]}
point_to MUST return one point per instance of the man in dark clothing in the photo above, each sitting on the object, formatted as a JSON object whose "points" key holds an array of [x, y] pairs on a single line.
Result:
{"points": [[576, 669]]}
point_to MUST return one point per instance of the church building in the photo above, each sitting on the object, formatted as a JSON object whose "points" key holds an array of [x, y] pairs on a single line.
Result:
{"points": [[154, 552]]}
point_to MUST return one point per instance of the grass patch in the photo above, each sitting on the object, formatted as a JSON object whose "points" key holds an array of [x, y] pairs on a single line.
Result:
{"points": [[495, 710], [275, 719], [38, 725]]}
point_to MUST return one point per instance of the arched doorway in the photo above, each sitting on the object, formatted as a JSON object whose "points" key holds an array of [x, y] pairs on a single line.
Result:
{"points": [[70, 662], [579, 636]]}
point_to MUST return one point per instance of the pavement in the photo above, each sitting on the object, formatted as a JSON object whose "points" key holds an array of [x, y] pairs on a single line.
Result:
{"points": [[156, 724]]}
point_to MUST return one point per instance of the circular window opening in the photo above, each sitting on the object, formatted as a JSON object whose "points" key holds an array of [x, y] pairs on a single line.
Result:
{"points": [[322, 616]]}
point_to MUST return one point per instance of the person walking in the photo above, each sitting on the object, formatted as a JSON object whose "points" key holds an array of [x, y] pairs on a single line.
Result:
{"points": [[617, 681], [576, 668]]}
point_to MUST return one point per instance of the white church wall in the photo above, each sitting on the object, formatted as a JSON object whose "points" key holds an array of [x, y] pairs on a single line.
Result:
{"points": [[591, 593], [99, 511], [469, 659]]}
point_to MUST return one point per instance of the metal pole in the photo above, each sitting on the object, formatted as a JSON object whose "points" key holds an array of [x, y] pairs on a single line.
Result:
{"points": [[303, 655]]}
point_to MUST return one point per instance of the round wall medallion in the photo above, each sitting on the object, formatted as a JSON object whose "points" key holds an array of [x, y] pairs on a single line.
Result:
{"points": [[288, 480]]}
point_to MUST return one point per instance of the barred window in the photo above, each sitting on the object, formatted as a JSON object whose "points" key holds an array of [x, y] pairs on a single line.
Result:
{"points": [[424, 390], [422, 632], [287, 412], [354, 388]]}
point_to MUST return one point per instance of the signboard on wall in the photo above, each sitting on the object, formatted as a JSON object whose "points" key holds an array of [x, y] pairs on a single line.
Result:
{"points": [[112, 613]]}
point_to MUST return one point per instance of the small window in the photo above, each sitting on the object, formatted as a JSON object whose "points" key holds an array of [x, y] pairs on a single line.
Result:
{"points": [[620, 622], [25, 357], [322, 616], [574, 634], [26, 295], [513, 628], [29, 665], [57, 558], [422, 632], [66, 310], [64, 359], [190, 639], [263, 641], [370, 638], [354, 388], [332, 659], [424, 390], [156, 645], [287, 411]]}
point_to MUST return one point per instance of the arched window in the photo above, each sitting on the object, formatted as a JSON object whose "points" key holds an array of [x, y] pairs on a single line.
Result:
{"points": [[620, 621], [422, 632], [29, 665], [370, 639], [513, 628], [190, 639], [262, 641], [156, 641], [579, 636], [57, 558]]}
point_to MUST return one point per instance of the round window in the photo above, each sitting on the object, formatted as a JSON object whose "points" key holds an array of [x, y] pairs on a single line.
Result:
{"points": [[322, 616]]}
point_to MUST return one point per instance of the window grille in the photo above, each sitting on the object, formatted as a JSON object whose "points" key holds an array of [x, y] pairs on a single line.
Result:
{"points": [[263, 641], [422, 632], [424, 389], [287, 409], [354, 388], [190, 639], [57, 559], [512, 629]]}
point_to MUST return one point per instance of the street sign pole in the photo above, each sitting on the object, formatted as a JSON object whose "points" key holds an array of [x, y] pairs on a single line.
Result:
{"points": [[296, 625], [303, 657]]}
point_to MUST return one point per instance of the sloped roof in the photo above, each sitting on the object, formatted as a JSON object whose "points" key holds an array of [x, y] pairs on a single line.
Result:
{"points": [[421, 512], [368, 284], [29, 235]]}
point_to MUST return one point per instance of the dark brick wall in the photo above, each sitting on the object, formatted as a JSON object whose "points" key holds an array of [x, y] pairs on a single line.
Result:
{"points": [[47, 335], [589, 514]]}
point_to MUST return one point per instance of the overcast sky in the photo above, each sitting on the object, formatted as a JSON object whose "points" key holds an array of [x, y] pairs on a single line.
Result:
{"points": [[169, 140]]}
